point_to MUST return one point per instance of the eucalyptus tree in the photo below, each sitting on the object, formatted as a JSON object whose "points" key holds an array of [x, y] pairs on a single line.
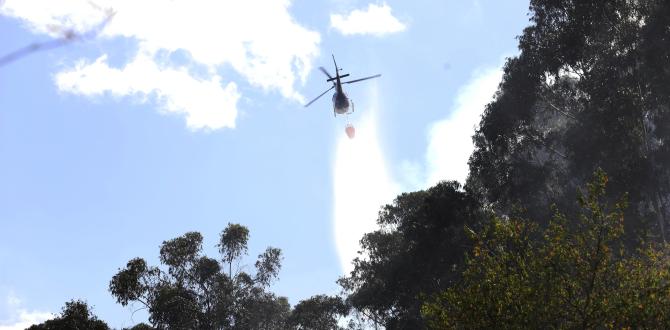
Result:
{"points": [[193, 291], [417, 250], [318, 312], [590, 88], [76, 314]]}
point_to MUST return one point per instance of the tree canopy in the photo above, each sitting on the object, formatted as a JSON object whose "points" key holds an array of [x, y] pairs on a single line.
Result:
{"points": [[519, 276], [590, 89], [76, 314], [318, 312], [417, 250], [193, 291]]}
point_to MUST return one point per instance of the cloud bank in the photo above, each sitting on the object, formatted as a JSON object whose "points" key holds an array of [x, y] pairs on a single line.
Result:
{"points": [[256, 39], [376, 20]]}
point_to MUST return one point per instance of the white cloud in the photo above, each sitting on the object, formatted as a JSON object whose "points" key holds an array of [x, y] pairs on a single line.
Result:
{"points": [[202, 101], [450, 140], [257, 39], [375, 20], [361, 185], [20, 318], [24, 319]]}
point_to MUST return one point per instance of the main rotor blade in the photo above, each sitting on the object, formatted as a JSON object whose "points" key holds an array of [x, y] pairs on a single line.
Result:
{"points": [[325, 72], [316, 98], [357, 80]]}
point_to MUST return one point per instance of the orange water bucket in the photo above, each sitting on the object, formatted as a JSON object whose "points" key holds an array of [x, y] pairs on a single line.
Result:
{"points": [[350, 130]]}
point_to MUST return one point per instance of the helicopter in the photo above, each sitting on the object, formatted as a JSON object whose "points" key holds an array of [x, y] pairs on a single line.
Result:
{"points": [[340, 100]]}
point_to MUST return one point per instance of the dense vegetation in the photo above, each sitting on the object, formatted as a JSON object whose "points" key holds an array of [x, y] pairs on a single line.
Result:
{"points": [[193, 291], [590, 89], [533, 239], [519, 276], [75, 315]]}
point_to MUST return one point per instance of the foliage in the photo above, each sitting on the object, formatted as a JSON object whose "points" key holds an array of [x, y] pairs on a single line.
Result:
{"points": [[233, 244], [141, 326], [590, 89], [318, 312], [195, 293], [519, 276], [417, 250], [76, 314]]}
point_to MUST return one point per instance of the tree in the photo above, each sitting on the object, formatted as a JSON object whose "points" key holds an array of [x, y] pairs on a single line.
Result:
{"points": [[588, 90], [76, 314], [233, 244], [319, 312], [519, 276], [417, 250], [194, 292], [141, 326]]}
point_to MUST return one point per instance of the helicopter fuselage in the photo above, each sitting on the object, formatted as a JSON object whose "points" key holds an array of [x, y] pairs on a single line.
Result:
{"points": [[340, 103], [340, 100]]}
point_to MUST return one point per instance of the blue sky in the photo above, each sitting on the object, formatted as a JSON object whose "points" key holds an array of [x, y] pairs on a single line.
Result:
{"points": [[176, 118]]}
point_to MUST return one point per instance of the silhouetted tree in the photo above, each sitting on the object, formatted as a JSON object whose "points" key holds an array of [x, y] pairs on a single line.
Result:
{"points": [[589, 89], [195, 293], [233, 244], [417, 251], [519, 276], [76, 314], [141, 326], [318, 312]]}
